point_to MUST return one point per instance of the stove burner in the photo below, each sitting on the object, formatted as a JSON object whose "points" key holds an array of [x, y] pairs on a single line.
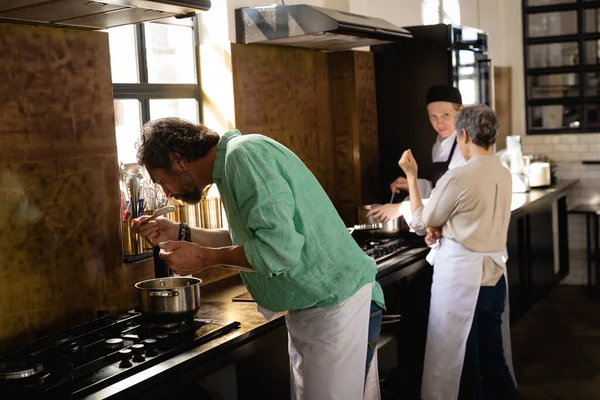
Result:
{"points": [[383, 248], [166, 325], [14, 370]]}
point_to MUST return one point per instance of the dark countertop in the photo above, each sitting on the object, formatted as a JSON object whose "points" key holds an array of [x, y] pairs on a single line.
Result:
{"points": [[586, 209], [520, 201], [211, 356], [217, 304]]}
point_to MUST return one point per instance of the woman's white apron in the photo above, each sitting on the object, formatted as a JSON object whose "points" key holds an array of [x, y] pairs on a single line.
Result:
{"points": [[456, 282]]}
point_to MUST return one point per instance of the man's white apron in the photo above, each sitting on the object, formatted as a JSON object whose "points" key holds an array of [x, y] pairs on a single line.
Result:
{"points": [[456, 283]]}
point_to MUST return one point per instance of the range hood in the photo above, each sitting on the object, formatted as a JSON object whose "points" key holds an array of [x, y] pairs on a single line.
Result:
{"points": [[313, 27], [96, 14]]}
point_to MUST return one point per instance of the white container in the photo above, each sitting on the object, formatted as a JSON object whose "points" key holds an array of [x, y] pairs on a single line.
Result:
{"points": [[539, 174]]}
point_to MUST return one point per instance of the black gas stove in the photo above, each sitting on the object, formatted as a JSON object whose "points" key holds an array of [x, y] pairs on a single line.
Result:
{"points": [[99, 353], [380, 249]]}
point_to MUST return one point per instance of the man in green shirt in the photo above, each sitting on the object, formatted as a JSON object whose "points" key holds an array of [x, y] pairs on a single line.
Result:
{"points": [[286, 238]]}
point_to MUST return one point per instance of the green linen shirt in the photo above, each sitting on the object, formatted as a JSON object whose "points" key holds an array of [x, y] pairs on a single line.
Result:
{"points": [[292, 235]]}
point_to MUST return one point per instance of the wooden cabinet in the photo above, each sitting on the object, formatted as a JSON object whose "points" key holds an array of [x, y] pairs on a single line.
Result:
{"points": [[540, 250], [530, 246]]}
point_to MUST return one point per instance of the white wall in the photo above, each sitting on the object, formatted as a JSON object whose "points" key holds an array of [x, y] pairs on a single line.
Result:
{"points": [[398, 12], [469, 13]]}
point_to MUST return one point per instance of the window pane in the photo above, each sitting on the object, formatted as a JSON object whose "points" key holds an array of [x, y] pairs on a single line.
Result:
{"points": [[128, 126], [554, 117], [592, 20], [553, 24], [553, 86], [170, 53], [180, 108], [123, 54], [593, 84], [592, 51], [553, 55], [533, 3], [593, 114], [468, 77]]}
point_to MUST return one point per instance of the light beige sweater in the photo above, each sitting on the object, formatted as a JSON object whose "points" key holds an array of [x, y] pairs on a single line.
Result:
{"points": [[471, 204]]}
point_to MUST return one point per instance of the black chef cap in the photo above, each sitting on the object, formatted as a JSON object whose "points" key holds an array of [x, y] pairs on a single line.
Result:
{"points": [[443, 93]]}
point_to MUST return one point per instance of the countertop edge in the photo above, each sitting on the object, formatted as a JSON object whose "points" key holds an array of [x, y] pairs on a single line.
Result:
{"points": [[552, 191]]}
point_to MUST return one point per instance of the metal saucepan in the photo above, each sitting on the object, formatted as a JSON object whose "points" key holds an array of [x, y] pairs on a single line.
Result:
{"points": [[391, 227], [168, 299]]}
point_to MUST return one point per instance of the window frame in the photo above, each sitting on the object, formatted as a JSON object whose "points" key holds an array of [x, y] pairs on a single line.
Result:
{"points": [[143, 91], [581, 69]]}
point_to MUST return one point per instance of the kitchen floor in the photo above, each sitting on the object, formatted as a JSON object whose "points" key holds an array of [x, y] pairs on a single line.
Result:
{"points": [[556, 347]]}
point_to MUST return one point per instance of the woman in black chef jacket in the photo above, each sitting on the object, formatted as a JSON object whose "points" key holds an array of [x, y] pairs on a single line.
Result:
{"points": [[443, 103]]}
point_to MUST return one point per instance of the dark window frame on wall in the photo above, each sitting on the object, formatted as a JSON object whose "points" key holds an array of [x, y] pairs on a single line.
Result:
{"points": [[574, 77], [144, 91]]}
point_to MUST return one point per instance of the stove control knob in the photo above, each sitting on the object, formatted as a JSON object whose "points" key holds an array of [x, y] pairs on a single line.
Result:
{"points": [[113, 344], [138, 353], [125, 356], [133, 338], [163, 341], [150, 347]]}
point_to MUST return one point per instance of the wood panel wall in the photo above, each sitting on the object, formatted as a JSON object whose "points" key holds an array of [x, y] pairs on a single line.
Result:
{"points": [[503, 103], [283, 93], [321, 106], [60, 246], [354, 130]]}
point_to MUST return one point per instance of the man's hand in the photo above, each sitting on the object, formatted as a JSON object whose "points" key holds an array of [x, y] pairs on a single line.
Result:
{"points": [[399, 184], [159, 230], [385, 212], [185, 258], [408, 164], [433, 235]]}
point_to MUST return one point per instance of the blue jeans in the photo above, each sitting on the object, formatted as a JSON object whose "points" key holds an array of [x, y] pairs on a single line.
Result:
{"points": [[374, 331], [485, 374]]}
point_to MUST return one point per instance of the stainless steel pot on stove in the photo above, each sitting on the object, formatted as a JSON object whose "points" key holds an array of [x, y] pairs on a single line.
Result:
{"points": [[391, 227], [173, 298]]}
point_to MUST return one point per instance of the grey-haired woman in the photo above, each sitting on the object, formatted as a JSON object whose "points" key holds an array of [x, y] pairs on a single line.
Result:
{"points": [[468, 340]]}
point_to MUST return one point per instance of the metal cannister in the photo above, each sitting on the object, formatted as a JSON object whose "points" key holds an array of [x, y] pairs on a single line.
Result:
{"points": [[133, 244], [210, 213], [187, 213]]}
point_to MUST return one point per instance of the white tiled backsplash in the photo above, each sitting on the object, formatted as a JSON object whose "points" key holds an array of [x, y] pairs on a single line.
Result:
{"points": [[569, 151]]}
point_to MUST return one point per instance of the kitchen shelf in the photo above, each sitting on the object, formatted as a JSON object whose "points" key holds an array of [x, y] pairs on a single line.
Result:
{"points": [[561, 38], [564, 101], [559, 70], [574, 48], [561, 7]]}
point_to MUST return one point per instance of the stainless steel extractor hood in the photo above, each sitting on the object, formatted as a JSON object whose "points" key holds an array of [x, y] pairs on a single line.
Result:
{"points": [[96, 14], [313, 27]]}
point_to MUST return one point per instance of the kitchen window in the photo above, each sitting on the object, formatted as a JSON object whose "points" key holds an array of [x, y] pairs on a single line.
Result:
{"points": [[155, 74], [562, 65]]}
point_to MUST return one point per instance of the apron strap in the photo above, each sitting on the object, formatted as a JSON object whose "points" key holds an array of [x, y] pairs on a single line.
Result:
{"points": [[440, 167]]}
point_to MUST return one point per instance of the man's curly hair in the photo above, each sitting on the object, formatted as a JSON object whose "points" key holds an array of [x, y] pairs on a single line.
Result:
{"points": [[163, 136]]}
